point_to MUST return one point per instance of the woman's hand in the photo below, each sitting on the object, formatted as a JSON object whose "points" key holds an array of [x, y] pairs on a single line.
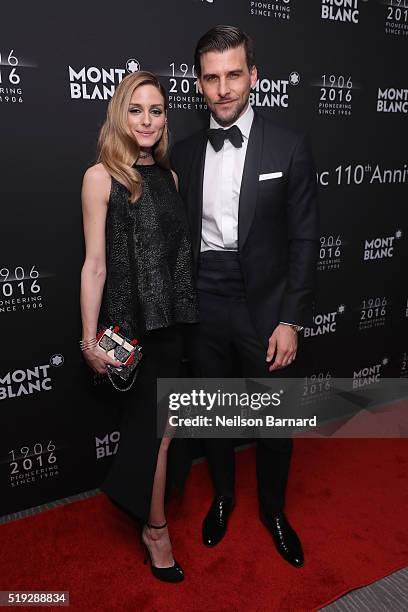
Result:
{"points": [[98, 360]]}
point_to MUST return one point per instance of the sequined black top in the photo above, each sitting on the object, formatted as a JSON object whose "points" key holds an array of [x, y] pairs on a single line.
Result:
{"points": [[149, 282]]}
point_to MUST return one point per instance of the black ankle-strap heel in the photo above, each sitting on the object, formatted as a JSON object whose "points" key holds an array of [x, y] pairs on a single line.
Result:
{"points": [[166, 574]]}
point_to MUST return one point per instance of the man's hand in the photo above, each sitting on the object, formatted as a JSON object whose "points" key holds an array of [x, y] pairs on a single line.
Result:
{"points": [[283, 346]]}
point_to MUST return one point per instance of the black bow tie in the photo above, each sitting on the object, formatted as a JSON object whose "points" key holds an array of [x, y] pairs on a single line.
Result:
{"points": [[217, 137]]}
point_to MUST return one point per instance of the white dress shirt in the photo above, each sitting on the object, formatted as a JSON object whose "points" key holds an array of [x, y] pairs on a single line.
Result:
{"points": [[221, 188]]}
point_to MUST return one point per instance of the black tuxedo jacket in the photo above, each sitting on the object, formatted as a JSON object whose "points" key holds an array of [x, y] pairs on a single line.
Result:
{"points": [[278, 234]]}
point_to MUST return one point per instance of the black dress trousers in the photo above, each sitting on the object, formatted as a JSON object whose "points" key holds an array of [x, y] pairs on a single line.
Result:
{"points": [[227, 341]]}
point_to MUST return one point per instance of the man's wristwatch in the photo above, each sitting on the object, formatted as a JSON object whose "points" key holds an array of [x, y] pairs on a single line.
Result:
{"points": [[296, 328]]}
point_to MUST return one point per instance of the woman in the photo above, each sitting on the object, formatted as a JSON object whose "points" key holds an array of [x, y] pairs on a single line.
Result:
{"points": [[138, 275]]}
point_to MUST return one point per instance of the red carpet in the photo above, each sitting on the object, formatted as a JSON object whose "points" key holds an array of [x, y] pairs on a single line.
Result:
{"points": [[347, 498]]}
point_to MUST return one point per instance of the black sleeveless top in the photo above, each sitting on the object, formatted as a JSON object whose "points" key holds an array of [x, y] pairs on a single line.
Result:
{"points": [[149, 281]]}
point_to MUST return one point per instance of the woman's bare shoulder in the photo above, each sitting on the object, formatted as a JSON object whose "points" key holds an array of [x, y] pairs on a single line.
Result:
{"points": [[96, 185], [97, 174]]}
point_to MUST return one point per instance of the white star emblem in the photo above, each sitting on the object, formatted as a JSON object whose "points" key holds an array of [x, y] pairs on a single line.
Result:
{"points": [[398, 234], [341, 309], [132, 65], [294, 78], [385, 361], [57, 360]]}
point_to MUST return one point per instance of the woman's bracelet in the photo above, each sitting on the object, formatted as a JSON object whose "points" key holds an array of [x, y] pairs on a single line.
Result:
{"points": [[87, 344]]}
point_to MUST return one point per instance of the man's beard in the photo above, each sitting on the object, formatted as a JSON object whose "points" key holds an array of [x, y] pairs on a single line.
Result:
{"points": [[232, 119]]}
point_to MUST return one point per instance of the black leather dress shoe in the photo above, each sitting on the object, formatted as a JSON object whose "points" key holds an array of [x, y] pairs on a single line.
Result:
{"points": [[216, 521], [285, 537]]}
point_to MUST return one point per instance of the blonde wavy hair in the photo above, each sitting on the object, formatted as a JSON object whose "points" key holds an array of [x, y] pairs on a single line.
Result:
{"points": [[117, 148]]}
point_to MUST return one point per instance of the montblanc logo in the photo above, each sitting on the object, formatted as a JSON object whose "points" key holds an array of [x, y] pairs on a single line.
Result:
{"points": [[272, 93], [29, 381], [381, 247], [340, 10], [392, 100], [57, 360], [95, 83], [107, 445], [324, 323], [368, 375], [132, 65]]}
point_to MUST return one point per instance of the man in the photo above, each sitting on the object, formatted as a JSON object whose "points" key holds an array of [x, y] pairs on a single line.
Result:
{"points": [[250, 191]]}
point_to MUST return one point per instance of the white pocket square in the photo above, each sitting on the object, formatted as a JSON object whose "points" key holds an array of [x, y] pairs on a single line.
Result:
{"points": [[271, 175]]}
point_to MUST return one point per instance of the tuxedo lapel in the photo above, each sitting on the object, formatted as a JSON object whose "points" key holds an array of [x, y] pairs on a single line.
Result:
{"points": [[195, 193], [250, 180]]}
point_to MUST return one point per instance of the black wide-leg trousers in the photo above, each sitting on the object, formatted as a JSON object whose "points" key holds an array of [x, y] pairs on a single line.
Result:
{"points": [[227, 339]]}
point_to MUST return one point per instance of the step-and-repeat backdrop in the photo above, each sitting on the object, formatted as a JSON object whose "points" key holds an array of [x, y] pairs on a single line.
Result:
{"points": [[333, 68]]}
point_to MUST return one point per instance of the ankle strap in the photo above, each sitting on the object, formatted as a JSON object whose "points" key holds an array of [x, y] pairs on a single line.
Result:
{"points": [[156, 526]]}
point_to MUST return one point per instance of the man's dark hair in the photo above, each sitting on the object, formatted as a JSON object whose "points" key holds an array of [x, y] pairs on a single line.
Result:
{"points": [[221, 38]]}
